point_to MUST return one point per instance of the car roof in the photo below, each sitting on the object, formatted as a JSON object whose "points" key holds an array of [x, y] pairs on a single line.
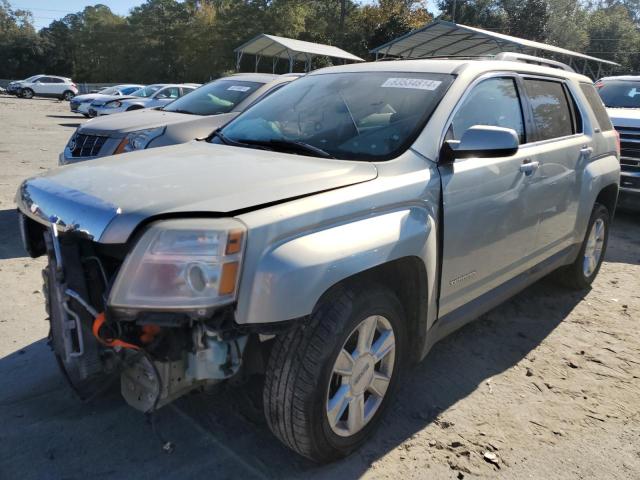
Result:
{"points": [[451, 66], [621, 77], [253, 77]]}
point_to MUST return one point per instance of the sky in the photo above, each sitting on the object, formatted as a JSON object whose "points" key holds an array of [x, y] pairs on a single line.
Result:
{"points": [[45, 11]]}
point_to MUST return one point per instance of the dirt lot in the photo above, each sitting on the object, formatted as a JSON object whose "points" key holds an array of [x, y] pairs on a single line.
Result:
{"points": [[549, 383]]}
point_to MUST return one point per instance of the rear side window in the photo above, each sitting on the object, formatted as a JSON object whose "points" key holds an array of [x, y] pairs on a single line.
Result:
{"points": [[494, 102], [552, 114], [56, 80], [597, 106]]}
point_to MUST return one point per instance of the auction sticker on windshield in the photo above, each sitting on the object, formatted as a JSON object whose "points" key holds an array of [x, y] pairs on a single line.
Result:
{"points": [[415, 83], [238, 88]]}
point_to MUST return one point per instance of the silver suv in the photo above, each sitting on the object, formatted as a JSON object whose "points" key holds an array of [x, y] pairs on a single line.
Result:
{"points": [[621, 96], [326, 238]]}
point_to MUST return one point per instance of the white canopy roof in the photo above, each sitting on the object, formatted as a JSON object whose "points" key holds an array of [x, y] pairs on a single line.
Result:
{"points": [[288, 48], [442, 38]]}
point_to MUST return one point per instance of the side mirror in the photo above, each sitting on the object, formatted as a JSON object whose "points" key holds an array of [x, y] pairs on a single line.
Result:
{"points": [[481, 141]]}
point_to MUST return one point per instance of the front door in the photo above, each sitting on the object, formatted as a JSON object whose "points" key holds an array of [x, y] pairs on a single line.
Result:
{"points": [[490, 222]]}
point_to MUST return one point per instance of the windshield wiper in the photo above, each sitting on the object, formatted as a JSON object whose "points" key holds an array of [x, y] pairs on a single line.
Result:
{"points": [[289, 145], [235, 143], [178, 111]]}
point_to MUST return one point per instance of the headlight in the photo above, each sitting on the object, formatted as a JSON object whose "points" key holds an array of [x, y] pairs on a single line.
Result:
{"points": [[115, 104], [139, 140], [187, 264]]}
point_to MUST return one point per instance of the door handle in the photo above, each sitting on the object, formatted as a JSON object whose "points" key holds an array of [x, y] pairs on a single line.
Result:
{"points": [[528, 167]]}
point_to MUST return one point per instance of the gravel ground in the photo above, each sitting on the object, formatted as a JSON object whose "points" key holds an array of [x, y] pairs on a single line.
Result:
{"points": [[545, 386]]}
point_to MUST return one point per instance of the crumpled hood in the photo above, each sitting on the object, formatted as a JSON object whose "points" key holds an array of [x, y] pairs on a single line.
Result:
{"points": [[90, 97], [625, 117], [107, 198], [108, 98], [126, 122]]}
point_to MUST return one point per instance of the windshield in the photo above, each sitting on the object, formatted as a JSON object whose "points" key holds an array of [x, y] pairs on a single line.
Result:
{"points": [[350, 116], [31, 79], [147, 91], [220, 96], [620, 93]]}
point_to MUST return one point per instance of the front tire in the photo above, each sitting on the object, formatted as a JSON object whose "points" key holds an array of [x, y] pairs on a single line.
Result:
{"points": [[581, 273], [27, 93], [328, 382]]}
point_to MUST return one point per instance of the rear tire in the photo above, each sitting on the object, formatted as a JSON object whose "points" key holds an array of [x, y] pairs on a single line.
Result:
{"points": [[581, 273], [68, 95], [27, 93], [325, 390]]}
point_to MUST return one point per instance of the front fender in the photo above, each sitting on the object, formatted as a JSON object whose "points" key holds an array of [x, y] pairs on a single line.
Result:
{"points": [[291, 276]]}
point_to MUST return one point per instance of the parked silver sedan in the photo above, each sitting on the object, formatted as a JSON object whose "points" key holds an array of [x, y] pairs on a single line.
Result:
{"points": [[195, 115], [81, 103], [156, 95]]}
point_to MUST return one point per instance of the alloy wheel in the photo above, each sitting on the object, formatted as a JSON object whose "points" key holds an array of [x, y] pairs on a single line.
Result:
{"points": [[361, 375], [593, 249]]}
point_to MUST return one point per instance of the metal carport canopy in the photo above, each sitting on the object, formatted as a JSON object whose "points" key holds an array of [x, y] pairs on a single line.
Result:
{"points": [[442, 38], [288, 48]]}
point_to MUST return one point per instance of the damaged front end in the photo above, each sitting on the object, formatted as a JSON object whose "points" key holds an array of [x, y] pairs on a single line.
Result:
{"points": [[157, 316]]}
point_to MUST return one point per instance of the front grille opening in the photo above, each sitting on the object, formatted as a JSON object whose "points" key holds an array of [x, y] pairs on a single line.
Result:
{"points": [[87, 145]]}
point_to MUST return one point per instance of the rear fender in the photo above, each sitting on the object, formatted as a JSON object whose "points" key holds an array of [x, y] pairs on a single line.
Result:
{"points": [[598, 174]]}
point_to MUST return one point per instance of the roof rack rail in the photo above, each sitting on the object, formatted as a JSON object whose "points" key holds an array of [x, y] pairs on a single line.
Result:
{"points": [[543, 62], [437, 57]]}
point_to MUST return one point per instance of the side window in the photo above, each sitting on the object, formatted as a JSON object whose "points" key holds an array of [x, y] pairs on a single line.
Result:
{"points": [[56, 80], [551, 111], [494, 102], [597, 106], [186, 90], [170, 92]]}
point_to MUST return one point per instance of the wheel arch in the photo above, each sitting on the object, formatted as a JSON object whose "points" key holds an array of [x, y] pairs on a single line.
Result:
{"points": [[608, 197], [599, 184], [407, 278]]}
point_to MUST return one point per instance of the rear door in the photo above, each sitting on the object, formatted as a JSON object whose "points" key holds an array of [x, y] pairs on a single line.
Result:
{"points": [[489, 222], [561, 152]]}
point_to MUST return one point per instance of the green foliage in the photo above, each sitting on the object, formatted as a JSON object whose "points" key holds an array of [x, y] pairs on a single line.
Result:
{"points": [[193, 40]]}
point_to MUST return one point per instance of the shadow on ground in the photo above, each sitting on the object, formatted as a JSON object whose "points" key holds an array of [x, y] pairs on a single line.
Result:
{"points": [[72, 125], [71, 117], [624, 243], [53, 433], [10, 242]]}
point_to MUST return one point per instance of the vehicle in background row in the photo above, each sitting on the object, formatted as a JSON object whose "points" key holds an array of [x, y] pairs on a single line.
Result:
{"points": [[325, 238], [45, 86], [621, 96], [156, 95], [196, 115], [81, 103]]}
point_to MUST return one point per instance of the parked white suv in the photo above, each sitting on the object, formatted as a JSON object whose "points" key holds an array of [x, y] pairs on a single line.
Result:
{"points": [[47, 86]]}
